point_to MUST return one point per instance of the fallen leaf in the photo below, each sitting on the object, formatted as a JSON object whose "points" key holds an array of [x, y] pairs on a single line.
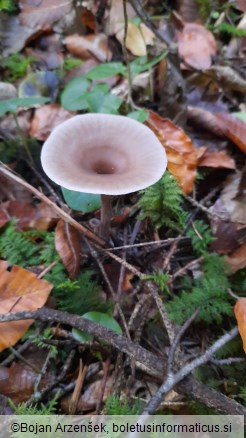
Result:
{"points": [[205, 120], [13, 35], [85, 47], [233, 128], [230, 230], [196, 46], [20, 290], [241, 5], [38, 217], [181, 153], [116, 16], [237, 260], [137, 38], [67, 243], [216, 159], [44, 12], [18, 381], [89, 399], [188, 10], [9, 189], [46, 119], [113, 271], [88, 20], [240, 314], [227, 78]]}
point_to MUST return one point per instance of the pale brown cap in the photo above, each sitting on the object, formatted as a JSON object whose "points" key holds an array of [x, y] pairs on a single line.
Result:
{"points": [[104, 154]]}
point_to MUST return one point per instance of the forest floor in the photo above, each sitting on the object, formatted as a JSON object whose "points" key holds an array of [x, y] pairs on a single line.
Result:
{"points": [[149, 317]]}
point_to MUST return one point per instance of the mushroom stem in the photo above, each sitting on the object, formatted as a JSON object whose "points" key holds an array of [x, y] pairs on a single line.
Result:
{"points": [[105, 216]]}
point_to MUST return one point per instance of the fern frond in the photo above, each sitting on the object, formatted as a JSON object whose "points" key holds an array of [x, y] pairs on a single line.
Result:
{"points": [[115, 406], [162, 203], [209, 295], [201, 236]]}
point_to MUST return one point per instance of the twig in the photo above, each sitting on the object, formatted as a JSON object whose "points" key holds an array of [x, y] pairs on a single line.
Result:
{"points": [[227, 361], [161, 243], [125, 54], [177, 339], [111, 290], [19, 356], [65, 216], [36, 394], [145, 359], [183, 270], [173, 379], [160, 305]]}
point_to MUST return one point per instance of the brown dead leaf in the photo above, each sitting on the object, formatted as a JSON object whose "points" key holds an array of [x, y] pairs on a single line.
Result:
{"points": [[237, 260], [181, 153], [205, 120], [233, 128], [39, 217], [196, 46], [216, 159], [46, 119], [20, 290], [188, 9], [89, 399], [67, 243], [18, 381], [43, 13], [137, 38], [241, 5], [240, 314], [88, 20], [116, 16], [9, 189], [230, 231], [85, 47], [113, 271]]}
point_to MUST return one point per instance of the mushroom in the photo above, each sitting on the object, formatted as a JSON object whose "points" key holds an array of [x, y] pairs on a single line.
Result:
{"points": [[103, 154]]}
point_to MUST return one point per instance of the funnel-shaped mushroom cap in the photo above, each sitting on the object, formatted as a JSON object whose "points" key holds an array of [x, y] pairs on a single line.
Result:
{"points": [[103, 153]]}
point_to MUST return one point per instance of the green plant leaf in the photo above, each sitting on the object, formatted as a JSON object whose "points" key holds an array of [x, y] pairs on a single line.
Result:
{"points": [[72, 97], [110, 104], [141, 64], [99, 100], [11, 105], [99, 318], [85, 202], [140, 115], [241, 115], [106, 70]]}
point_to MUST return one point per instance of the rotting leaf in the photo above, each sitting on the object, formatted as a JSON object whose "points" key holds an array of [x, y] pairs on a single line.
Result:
{"points": [[240, 314], [43, 13], [67, 243], [196, 46], [40, 217], [233, 128], [18, 381], [237, 260], [181, 153], [46, 119], [20, 290], [216, 159], [85, 47]]}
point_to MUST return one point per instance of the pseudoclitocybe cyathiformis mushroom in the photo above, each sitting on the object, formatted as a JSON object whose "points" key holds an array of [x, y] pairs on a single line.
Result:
{"points": [[104, 154]]}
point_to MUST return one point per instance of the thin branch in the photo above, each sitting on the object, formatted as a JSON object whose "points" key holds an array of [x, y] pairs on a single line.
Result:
{"points": [[173, 379], [146, 360], [177, 339], [62, 214]]}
